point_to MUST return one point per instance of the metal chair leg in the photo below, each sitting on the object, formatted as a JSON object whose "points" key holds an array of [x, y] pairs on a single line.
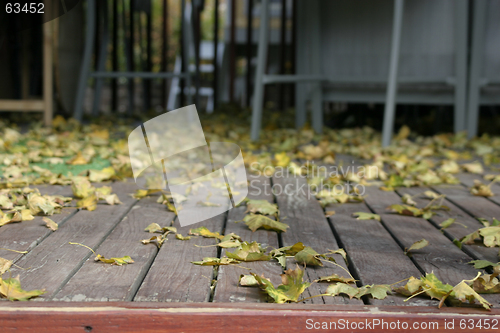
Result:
{"points": [[101, 66], [258, 99], [87, 55], [477, 46], [317, 95], [390, 100], [461, 65]]}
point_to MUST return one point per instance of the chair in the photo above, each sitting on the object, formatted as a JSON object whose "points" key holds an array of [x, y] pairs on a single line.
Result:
{"points": [[347, 52], [100, 73], [484, 73]]}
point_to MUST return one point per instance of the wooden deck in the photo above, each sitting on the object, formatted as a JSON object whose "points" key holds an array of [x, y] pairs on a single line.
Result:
{"points": [[162, 289]]}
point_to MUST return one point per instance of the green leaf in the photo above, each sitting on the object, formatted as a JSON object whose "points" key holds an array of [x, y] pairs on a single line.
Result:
{"points": [[11, 289], [308, 257], [418, 245], [262, 207], [291, 287], [366, 216], [255, 222], [249, 252], [445, 224], [479, 264], [335, 278]]}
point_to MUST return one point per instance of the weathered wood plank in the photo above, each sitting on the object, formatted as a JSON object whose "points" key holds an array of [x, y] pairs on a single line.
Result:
{"points": [[50, 264], [172, 277], [57, 317], [441, 256], [228, 289], [96, 281], [374, 255], [308, 225], [464, 225]]}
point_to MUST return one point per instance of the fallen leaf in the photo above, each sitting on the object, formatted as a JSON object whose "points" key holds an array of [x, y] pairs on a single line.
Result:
{"points": [[481, 190], [180, 237], [291, 287], [366, 216], [249, 252], [262, 207], [211, 261], [254, 222], [203, 231], [11, 289], [446, 223], [418, 245], [50, 224], [248, 281], [474, 167], [308, 257], [114, 261], [335, 278], [88, 203]]}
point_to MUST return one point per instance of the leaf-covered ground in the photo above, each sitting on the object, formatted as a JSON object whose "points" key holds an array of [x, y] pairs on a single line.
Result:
{"points": [[81, 156]]}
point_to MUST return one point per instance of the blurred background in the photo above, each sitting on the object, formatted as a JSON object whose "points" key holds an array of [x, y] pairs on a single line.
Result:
{"points": [[433, 65]]}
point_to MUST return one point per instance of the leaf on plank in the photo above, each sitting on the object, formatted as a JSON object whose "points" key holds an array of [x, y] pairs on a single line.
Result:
{"points": [[366, 216], [50, 224], [481, 190], [89, 203], [254, 222], [248, 281], [474, 167], [262, 207], [335, 278], [180, 237], [308, 257], [291, 287], [203, 231], [249, 252], [418, 245], [212, 261], [11, 289], [114, 261], [447, 223], [376, 291]]}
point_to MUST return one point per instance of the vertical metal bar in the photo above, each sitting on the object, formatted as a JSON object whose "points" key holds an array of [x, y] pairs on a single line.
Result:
{"points": [[461, 20], [184, 66], [87, 57], [48, 96], [149, 66], [164, 55], [101, 64], [249, 49], [390, 100], [131, 83], [197, 40], [315, 61], [215, 83], [114, 58], [232, 52], [282, 87], [259, 72], [477, 46]]}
